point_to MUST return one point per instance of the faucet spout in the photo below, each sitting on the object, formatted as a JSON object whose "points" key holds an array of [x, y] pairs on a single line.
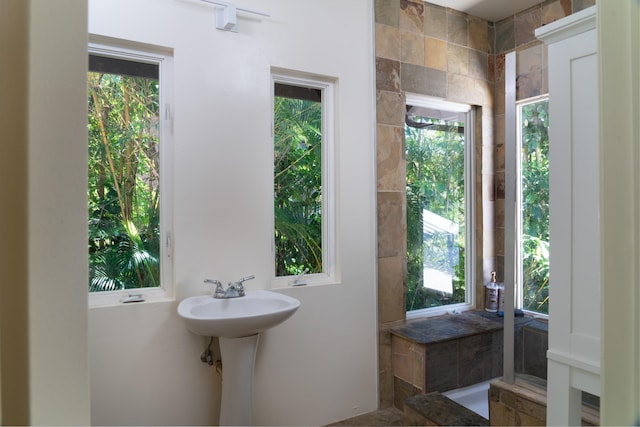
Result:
{"points": [[234, 290]]}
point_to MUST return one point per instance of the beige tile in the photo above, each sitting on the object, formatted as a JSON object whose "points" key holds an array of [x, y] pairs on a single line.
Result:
{"points": [[499, 243], [384, 366], [484, 90], [457, 28], [500, 185], [555, 10], [460, 88], [391, 224], [457, 59], [390, 108], [435, 53], [387, 12], [500, 153], [423, 80], [391, 162], [501, 415], [387, 75], [499, 138], [387, 42], [489, 233], [529, 58], [391, 273], [468, 90], [485, 131], [526, 23], [435, 21], [505, 35], [499, 207], [478, 64], [412, 16], [529, 70], [488, 192], [488, 160], [479, 35], [408, 361], [412, 47]]}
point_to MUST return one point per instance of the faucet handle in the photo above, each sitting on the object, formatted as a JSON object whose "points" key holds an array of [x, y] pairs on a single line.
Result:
{"points": [[244, 279], [240, 286], [219, 291]]}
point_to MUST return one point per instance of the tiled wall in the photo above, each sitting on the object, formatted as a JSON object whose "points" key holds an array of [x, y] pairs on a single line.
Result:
{"points": [[426, 49], [516, 33]]}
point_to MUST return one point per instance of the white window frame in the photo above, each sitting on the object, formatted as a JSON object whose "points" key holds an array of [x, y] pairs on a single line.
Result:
{"points": [[469, 170], [327, 86], [519, 287], [163, 58]]}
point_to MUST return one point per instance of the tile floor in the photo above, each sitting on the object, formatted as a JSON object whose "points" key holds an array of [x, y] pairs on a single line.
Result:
{"points": [[385, 417]]}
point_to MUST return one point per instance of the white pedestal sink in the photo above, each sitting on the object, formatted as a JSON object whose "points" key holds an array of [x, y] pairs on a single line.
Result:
{"points": [[238, 323]]}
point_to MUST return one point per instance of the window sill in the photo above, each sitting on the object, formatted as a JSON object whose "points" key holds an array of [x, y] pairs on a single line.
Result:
{"points": [[306, 281], [115, 298], [438, 311]]}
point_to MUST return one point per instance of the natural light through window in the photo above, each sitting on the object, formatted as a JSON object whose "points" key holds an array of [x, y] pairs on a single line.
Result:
{"points": [[533, 199], [438, 205], [303, 178], [126, 145]]}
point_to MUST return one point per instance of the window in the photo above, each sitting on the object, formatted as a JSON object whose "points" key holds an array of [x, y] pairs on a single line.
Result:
{"points": [[439, 205], [303, 179], [129, 171], [532, 251]]}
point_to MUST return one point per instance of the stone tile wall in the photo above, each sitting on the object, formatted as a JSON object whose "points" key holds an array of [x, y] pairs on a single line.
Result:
{"points": [[434, 51], [525, 404], [516, 33], [426, 49]]}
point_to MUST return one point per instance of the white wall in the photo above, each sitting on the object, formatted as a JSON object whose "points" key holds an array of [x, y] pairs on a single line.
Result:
{"points": [[43, 133], [321, 365], [619, 60]]}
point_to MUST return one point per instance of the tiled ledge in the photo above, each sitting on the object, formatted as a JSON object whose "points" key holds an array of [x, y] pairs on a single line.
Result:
{"points": [[452, 351], [433, 330], [525, 403]]}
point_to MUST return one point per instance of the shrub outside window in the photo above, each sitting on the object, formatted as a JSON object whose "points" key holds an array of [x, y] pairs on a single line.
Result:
{"points": [[533, 198], [439, 206], [303, 178], [129, 165]]}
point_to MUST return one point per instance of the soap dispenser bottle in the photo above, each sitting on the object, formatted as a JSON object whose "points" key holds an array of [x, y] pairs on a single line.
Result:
{"points": [[491, 294]]}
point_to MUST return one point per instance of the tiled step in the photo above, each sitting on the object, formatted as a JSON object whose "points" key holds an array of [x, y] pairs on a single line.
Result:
{"points": [[435, 409]]}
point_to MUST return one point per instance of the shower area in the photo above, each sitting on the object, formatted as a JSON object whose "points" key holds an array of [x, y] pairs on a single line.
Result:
{"points": [[456, 349]]}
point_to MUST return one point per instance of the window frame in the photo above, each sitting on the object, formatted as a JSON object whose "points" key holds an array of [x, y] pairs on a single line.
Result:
{"points": [[163, 58], [327, 85], [518, 275], [470, 197]]}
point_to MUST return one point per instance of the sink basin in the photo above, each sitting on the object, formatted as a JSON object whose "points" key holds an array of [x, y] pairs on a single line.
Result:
{"points": [[239, 317]]}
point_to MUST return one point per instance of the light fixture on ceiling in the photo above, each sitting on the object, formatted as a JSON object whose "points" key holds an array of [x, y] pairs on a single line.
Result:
{"points": [[227, 14]]}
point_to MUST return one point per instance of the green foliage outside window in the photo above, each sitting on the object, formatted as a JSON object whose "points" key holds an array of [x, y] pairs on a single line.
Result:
{"points": [[435, 182], [124, 191], [297, 186], [535, 206]]}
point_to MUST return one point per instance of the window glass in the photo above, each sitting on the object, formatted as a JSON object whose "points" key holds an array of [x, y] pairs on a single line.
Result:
{"points": [[124, 191], [437, 205], [533, 256], [298, 179]]}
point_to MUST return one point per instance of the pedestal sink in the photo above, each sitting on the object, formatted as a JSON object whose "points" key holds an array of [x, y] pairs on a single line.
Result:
{"points": [[238, 323]]}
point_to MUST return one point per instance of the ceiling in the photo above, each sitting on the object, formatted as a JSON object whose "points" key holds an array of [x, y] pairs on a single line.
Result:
{"points": [[491, 10]]}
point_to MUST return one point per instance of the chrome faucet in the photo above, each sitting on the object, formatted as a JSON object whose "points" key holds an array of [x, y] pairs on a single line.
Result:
{"points": [[234, 290]]}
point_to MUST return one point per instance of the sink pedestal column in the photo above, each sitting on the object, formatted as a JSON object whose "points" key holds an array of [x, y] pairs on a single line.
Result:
{"points": [[238, 361]]}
